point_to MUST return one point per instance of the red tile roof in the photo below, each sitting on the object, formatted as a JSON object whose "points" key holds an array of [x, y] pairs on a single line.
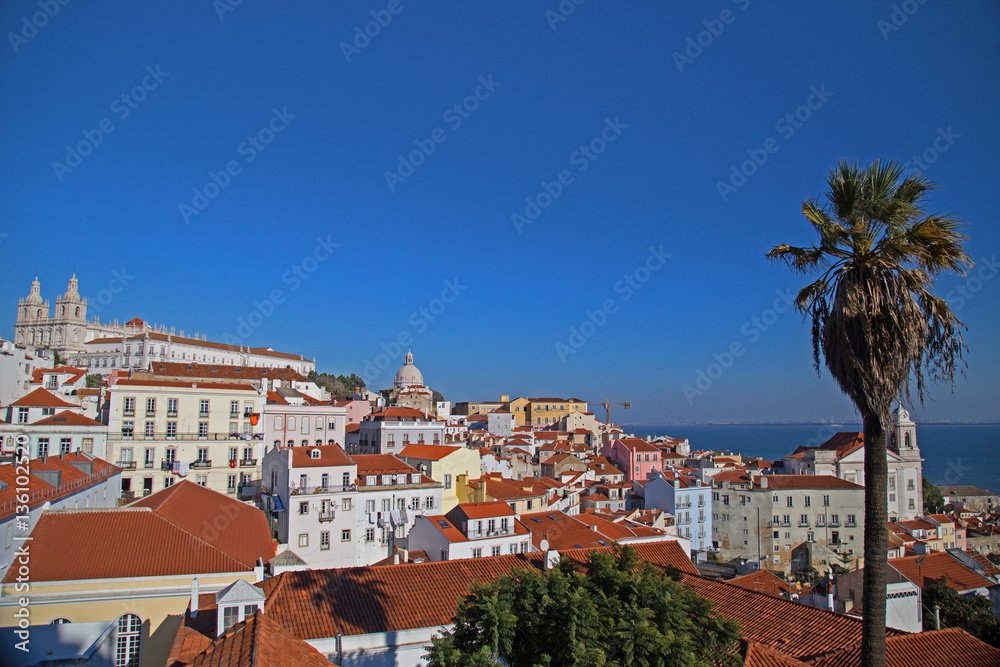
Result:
{"points": [[638, 445], [376, 464], [764, 582], [71, 480], [329, 455], [483, 510], [225, 371], [427, 452], [42, 398], [842, 443], [182, 340], [933, 566], [314, 604], [940, 648], [67, 418], [88, 544], [242, 532], [806, 482], [259, 642], [758, 655]]}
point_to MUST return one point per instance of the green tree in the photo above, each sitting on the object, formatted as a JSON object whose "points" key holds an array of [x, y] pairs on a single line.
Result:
{"points": [[94, 381], [972, 614], [622, 611], [933, 500], [875, 322]]}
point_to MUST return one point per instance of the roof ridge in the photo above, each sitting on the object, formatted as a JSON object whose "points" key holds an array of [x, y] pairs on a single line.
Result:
{"points": [[199, 539]]}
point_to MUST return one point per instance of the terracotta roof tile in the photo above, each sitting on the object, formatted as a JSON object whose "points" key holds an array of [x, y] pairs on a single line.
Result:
{"points": [[329, 455], [764, 582], [220, 386], [67, 418], [224, 371], [259, 642], [42, 398], [806, 482], [940, 648], [427, 452], [758, 655], [933, 566]]}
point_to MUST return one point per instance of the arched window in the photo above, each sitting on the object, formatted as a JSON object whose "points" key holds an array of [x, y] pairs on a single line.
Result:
{"points": [[906, 441], [129, 635], [63, 312], [78, 311]]}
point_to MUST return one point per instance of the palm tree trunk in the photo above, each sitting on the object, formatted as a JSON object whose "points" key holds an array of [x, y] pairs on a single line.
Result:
{"points": [[876, 543]]}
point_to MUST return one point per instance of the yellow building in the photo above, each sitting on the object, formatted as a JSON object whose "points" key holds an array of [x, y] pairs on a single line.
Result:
{"points": [[541, 411], [135, 565], [452, 466]]}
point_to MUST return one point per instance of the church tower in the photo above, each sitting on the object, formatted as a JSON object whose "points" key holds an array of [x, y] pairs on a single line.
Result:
{"points": [[70, 320], [903, 435], [31, 326]]}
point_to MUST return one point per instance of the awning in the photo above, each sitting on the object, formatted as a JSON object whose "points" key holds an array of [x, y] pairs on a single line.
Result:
{"points": [[276, 504]]}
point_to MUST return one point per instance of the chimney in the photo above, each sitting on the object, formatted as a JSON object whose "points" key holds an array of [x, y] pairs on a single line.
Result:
{"points": [[194, 597], [763, 481]]}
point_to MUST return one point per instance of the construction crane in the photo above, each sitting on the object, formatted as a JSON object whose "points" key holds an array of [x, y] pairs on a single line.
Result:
{"points": [[607, 407]]}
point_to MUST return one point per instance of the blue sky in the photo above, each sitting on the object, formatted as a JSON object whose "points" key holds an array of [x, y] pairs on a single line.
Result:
{"points": [[219, 155]]}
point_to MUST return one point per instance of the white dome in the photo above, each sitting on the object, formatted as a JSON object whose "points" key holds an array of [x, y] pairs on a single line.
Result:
{"points": [[409, 374]]}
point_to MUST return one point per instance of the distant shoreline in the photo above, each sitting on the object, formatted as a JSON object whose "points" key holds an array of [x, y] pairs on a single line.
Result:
{"points": [[807, 423]]}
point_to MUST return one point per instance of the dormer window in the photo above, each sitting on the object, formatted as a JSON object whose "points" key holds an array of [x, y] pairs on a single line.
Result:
{"points": [[314, 453], [415, 478], [370, 480], [386, 479]]}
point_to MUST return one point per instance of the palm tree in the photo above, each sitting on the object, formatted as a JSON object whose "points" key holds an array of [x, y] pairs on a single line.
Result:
{"points": [[877, 324]]}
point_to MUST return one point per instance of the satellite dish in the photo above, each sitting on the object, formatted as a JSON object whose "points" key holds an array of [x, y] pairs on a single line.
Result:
{"points": [[543, 545]]}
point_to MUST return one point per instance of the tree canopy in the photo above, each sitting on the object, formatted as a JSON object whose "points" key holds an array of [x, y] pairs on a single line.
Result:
{"points": [[339, 386], [621, 611], [933, 500], [974, 615]]}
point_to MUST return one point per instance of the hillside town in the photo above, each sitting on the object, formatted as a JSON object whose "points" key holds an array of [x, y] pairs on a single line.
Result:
{"points": [[170, 500]]}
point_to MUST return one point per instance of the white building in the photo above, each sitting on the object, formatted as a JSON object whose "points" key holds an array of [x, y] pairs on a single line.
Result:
{"points": [[689, 500], [161, 431], [293, 419], [386, 485], [390, 430], [17, 366], [843, 456], [470, 530], [56, 435], [311, 498]]}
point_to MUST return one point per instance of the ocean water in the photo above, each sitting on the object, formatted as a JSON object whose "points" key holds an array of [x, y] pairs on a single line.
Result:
{"points": [[953, 453]]}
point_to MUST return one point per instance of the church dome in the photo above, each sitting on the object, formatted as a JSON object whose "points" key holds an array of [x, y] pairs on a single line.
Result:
{"points": [[409, 374]]}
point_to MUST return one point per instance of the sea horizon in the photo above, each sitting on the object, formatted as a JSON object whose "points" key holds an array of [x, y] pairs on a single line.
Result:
{"points": [[954, 453]]}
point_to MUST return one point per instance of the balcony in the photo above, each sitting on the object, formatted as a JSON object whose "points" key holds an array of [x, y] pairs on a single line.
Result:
{"points": [[684, 504], [248, 463], [166, 465], [312, 490], [327, 516], [202, 463], [803, 524], [172, 413], [128, 413], [191, 435], [851, 524], [151, 413], [834, 523], [127, 465], [148, 464], [820, 522]]}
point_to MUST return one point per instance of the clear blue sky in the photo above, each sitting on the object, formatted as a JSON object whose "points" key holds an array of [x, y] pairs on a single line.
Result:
{"points": [[329, 121]]}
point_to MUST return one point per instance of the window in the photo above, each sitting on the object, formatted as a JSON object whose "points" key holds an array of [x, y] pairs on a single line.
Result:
{"points": [[369, 535], [150, 456], [429, 503], [127, 429], [277, 423], [203, 407], [346, 504], [234, 428], [171, 407], [834, 519], [22, 415], [150, 429], [232, 484], [234, 408], [65, 444], [129, 636], [910, 504], [788, 501], [324, 540], [304, 539], [803, 519], [808, 501], [43, 447], [202, 454], [850, 520], [786, 519], [291, 423], [201, 480], [304, 508], [305, 425], [495, 550], [202, 429], [529, 504], [128, 406], [369, 506], [774, 498], [892, 483], [345, 535], [386, 504], [171, 430], [88, 445], [909, 485], [826, 501], [477, 553]]}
